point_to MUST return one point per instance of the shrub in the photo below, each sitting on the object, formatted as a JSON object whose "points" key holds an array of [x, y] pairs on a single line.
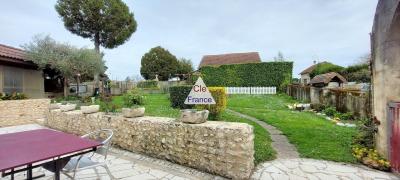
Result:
{"points": [[178, 96], [219, 95], [325, 67], [330, 111], [346, 116], [13, 96], [133, 97], [318, 107], [148, 84], [107, 105], [278, 74], [357, 73], [366, 133]]}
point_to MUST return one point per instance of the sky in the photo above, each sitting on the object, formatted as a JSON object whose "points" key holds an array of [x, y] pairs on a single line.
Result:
{"points": [[304, 31]]}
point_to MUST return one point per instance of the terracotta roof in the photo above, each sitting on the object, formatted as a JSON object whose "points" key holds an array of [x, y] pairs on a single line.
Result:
{"points": [[311, 68], [232, 58], [12, 52], [14, 57], [326, 78]]}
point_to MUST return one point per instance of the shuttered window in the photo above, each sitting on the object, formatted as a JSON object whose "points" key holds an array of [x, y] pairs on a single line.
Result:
{"points": [[13, 80]]}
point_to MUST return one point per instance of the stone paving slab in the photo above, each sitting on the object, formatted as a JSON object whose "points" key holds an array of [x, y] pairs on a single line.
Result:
{"points": [[122, 165], [300, 168]]}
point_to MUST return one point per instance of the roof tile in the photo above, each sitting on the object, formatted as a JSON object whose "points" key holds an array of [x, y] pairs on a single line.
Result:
{"points": [[231, 58]]}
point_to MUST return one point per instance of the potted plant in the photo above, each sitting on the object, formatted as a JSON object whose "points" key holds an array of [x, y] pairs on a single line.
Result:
{"points": [[133, 100]]}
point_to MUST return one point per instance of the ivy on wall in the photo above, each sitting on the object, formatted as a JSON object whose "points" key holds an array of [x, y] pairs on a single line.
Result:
{"points": [[265, 74]]}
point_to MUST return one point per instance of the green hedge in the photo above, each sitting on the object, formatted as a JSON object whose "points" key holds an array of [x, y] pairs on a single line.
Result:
{"points": [[147, 84], [178, 96], [278, 74]]}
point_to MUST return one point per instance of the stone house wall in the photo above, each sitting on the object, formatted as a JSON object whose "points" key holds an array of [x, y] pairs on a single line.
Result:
{"points": [[17, 112], [221, 148], [385, 44]]}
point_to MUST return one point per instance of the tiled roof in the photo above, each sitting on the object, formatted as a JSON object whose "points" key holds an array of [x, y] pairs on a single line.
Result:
{"points": [[11, 52], [15, 57], [232, 58], [311, 68], [326, 78]]}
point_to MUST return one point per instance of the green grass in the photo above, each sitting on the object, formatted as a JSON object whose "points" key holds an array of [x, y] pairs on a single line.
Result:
{"points": [[262, 141], [155, 104], [159, 105], [313, 136]]}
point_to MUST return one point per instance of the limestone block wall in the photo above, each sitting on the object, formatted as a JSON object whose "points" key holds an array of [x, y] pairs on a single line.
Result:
{"points": [[221, 148], [17, 112]]}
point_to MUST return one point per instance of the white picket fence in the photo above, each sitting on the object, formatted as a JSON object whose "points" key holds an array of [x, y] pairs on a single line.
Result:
{"points": [[250, 90]]}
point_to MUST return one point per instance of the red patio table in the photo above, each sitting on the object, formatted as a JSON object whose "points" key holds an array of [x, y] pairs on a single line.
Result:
{"points": [[29, 149]]}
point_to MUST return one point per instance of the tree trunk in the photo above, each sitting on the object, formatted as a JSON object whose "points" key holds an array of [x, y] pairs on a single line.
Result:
{"points": [[65, 87], [97, 42], [77, 86], [97, 48]]}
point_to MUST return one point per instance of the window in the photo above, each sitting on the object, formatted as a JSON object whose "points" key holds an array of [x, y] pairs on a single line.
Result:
{"points": [[13, 80]]}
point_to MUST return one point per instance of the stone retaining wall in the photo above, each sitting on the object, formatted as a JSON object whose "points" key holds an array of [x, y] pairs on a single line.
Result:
{"points": [[220, 148], [17, 112]]}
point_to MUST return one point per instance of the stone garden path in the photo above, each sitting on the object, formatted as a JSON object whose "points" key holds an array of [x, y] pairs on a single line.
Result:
{"points": [[280, 143], [289, 165]]}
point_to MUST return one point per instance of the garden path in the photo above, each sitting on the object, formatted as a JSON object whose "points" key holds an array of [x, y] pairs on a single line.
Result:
{"points": [[289, 165], [280, 143]]}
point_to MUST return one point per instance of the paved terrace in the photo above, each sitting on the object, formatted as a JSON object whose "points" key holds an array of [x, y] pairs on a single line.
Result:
{"points": [[128, 165]]}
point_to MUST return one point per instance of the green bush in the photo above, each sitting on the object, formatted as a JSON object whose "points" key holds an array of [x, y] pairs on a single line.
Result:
{"points": [[133, 97], [219, 95], [330, 111], [357, 73], [178, 96], [148, 84], [13, 96], [278, 74], [366, 133], [325, 67], [346, 116], [107, 105]]}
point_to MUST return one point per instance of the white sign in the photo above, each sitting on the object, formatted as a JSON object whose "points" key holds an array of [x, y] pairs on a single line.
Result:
{"points": [[199, 94]]}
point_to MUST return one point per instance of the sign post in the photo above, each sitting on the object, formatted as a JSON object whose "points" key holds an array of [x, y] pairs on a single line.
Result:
{"points": [[199, 94]]}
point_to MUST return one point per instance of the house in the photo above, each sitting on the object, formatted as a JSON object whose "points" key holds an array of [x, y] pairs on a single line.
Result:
{"points": [[306, 73], [385, 45], [323, 80], [232, 58], [18, 74]]}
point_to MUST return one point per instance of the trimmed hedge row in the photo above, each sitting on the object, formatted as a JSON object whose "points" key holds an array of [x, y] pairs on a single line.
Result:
{"points": [[265, 74], [177, 96], [147, 84]]}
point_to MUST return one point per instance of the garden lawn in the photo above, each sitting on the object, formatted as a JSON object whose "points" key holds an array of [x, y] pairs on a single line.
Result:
{"points": [[155, 104], [313, 136], [262, 140]]}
